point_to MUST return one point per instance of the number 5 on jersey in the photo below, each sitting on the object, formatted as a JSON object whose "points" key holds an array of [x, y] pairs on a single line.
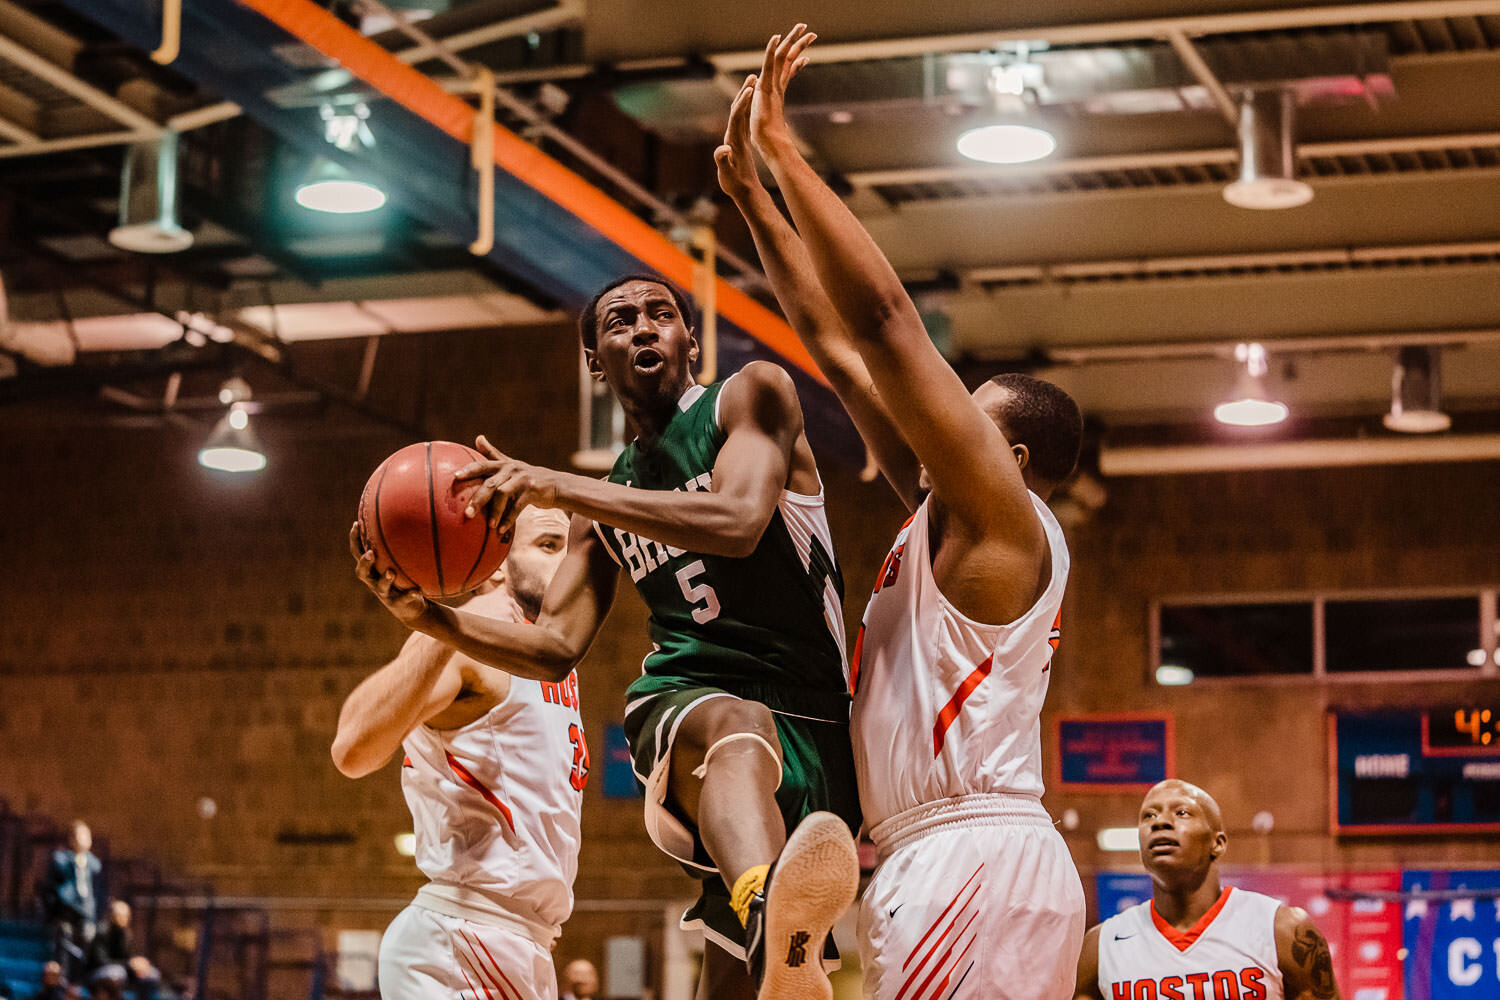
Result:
{"points": [[708, 609]]}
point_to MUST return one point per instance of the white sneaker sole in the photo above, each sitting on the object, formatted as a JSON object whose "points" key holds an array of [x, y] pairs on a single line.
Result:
{"points": [[816, 879]]}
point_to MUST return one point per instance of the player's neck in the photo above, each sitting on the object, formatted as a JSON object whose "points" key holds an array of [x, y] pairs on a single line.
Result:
{"points": [[649, 418], [1184, 906]]}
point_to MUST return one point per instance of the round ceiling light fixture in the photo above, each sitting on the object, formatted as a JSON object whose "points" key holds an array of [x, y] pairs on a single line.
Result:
{"points": [[1252, 405], [1007, 144], [340, 196]]}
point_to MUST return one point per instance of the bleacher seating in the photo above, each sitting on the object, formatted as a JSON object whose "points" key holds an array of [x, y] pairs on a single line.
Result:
{"points": [[24, 949]]}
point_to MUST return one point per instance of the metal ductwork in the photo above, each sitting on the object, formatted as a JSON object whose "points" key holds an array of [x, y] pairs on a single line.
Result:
{"points": [[1268, 153], [148, 199], [1416, 392]]}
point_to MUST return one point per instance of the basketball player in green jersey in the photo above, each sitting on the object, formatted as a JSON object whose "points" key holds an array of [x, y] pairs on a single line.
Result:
{"points": [[738, 725]]}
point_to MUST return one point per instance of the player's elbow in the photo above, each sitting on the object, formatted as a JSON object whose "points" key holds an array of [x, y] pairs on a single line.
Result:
{"points": [[352, 756], [738, 531], [347, 758]]}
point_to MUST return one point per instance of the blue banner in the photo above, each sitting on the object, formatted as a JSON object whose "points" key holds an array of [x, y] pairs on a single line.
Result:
{"points": [[619, 776], [1453, 945], [1112, 753]]}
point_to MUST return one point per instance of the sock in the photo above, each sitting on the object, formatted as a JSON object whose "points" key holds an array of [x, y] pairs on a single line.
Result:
{"points": [[745, 888]]}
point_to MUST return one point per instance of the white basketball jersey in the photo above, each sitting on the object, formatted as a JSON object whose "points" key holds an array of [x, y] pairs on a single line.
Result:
{"points": [[1230, 954], [496, 803], [944, 705]]}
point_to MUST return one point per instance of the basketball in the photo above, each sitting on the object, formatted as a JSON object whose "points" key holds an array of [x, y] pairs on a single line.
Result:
{"points": [[412, 516]]}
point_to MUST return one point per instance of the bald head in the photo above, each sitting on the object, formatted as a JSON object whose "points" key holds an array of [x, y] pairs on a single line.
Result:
{"points": [[1181, 831], [1210, 806]]}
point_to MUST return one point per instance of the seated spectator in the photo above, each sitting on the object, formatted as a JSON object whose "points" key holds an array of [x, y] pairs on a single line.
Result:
{"points": [[70, 896], [108, 983], [53, 987], [580, 980], [114, 948]]}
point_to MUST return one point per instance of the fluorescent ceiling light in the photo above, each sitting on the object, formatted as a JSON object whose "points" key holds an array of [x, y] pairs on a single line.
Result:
{"points": [[1250, 412], [340, 197], [1006, 143], [1171, 675], [1119, 838]]}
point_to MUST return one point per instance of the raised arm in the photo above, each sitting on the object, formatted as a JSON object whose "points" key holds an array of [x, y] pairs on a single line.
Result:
{"points": [[762, 420], [805, 304], [1302, 952], [1087, 982], [420, 682], [577, 600], [966, 457]]}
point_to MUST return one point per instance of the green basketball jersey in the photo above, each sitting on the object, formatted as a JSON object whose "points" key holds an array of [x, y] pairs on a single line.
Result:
{"points": [[767, 627]]}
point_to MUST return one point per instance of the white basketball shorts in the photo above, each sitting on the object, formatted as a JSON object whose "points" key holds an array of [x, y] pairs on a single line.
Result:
{"points": [[974, 899], [427, 955]]}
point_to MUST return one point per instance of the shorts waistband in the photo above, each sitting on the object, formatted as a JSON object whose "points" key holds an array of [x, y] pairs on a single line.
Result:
{"points": [[465, 903], [980, 809]]}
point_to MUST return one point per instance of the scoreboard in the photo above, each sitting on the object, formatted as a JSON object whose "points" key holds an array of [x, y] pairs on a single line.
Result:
{"points": [[1422, 771]]}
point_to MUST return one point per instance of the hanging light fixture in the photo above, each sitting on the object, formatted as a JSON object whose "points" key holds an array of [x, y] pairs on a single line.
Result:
{"points": [[1268, 153], [1010, 141], [148, 199], [328, 187], [1417, 392], [1251, 405], [232, 446]]}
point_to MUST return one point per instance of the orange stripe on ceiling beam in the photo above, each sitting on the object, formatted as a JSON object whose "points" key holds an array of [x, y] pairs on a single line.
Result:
{"points": [[423, 97]]}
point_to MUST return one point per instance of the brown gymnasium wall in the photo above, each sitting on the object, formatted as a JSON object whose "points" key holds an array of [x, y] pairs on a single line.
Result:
{"points": [[170, 634]]}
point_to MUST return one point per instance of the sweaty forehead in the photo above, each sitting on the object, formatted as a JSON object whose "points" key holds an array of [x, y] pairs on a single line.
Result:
{"points": [[635, 293]]}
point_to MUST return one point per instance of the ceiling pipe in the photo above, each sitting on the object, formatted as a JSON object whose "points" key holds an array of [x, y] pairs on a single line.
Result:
{"points": [[1322, 453], [1186, 350], [1118, 31]]}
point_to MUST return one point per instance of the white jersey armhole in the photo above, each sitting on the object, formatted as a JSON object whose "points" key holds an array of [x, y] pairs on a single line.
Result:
{"points": [[1043, 598]]}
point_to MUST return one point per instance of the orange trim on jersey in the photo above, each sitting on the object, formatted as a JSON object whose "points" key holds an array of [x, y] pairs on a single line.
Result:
{"points": [[406, 761], [467, 777], [955, 704], [856, 659], [1183, 940]]}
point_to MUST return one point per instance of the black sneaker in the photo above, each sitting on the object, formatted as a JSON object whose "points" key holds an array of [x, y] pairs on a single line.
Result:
{"points": [[817, 877]]}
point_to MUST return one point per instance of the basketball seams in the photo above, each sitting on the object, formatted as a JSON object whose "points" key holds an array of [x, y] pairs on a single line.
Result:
{"points": [[469, 581], [432, 521], [385, 468], [409, 516]]}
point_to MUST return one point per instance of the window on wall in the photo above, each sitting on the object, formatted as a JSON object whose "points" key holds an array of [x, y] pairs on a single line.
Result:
{"points": [[1333, 635]]}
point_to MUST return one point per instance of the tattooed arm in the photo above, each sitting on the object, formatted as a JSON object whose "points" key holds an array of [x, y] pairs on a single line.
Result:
{"points": [[1302, 952]]}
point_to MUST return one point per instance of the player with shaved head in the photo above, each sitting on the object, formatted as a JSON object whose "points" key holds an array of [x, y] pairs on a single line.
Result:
{"points": [[1195, 939]]}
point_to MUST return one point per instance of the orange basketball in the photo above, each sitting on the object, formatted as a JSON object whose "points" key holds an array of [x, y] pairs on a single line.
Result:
{"points": [[412, 515]]}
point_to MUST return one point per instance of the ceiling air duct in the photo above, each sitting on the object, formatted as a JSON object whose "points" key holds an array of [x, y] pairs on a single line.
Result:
{"points": [[1417, 392], [148, 199], [1268, 153]]}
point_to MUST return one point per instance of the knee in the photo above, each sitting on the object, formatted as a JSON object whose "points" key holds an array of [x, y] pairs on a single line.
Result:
{"points": [[721, 719]]}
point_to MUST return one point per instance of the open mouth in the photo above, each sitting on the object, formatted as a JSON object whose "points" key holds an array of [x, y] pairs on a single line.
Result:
{"points": [[648, 361], [1161, 845]]}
